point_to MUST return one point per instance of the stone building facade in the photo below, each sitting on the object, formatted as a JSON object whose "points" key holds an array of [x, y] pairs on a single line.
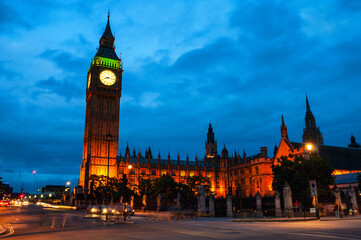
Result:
{"points": [[234, 174], [242, 176]]}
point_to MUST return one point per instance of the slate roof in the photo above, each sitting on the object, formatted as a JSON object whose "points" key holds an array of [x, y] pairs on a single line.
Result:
{"points": [[346, 178], [339, 157], [107, 53], [104, 51], [108, 32]]}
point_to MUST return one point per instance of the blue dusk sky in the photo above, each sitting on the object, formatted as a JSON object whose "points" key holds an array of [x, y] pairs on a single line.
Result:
{"points": [[239, 64]]}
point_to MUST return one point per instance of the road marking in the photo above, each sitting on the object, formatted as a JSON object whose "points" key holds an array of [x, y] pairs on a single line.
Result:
{"points": [[11, 232], [323, 236]]}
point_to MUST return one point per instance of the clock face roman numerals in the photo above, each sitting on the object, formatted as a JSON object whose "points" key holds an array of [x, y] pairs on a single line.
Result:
{"points": [[107, 77]]}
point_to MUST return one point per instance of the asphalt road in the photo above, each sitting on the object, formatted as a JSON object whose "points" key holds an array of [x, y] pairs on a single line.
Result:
{"points": [[37, 223]]}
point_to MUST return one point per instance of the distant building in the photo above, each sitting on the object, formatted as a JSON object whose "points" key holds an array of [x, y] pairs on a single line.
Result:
{"points": [[56, 191], [5, 189]]}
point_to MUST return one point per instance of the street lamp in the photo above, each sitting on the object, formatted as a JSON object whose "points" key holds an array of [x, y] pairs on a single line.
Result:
{"points": [[109, 139], [309, 148]]}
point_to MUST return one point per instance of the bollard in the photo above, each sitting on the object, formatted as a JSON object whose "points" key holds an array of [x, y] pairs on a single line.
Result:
{"points": [[53, 223]]}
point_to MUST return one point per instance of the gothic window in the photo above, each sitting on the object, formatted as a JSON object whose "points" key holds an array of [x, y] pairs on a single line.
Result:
{"points": [[243, 182], [191, 174], [236, 173], [242, 171], [209, 175], [173, 173], [183, 173], [256, 170], [164, 172], [153, 172], [143, 172], [250, 171]]}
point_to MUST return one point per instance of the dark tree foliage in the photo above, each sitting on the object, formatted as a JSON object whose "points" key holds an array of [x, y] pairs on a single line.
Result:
{"points": [[195, 181], [299, 172], [359, 181], [116, 189], [168, 188]]}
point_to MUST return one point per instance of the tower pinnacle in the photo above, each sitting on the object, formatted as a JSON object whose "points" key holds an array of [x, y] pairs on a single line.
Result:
{"points": [[311, 133]]}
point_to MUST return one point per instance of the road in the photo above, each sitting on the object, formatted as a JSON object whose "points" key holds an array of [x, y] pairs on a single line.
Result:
{"points": [[38, 223]]}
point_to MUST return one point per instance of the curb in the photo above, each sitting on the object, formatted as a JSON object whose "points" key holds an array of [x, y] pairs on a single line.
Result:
{"points": [[276, 220]]}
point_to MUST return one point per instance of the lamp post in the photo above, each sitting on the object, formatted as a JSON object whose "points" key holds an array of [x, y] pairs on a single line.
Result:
{"points": [[309, 148], [109, 139]]}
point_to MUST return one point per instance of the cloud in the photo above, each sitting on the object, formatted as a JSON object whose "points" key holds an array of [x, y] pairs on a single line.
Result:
{"points": [[64, 88], [11, 20], [65, 60]]}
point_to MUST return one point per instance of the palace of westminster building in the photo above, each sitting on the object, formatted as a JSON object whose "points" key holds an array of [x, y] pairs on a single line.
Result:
{"points": [[235, 174]]}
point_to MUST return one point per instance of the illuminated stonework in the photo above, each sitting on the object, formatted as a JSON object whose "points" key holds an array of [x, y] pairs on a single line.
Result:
{"points": [[103, 94]]}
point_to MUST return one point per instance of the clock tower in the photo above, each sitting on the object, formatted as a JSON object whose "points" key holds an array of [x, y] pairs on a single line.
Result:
{"points": [[103, 92]]}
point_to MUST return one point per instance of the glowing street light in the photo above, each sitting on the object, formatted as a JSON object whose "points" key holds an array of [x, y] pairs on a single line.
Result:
{"points": [[309, 147], [130, 167], [68, 183]]}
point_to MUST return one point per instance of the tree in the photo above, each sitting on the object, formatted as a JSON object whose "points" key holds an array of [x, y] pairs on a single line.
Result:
{"points": [[115, 188], [299, 172], [195, 181], [165, 185]]}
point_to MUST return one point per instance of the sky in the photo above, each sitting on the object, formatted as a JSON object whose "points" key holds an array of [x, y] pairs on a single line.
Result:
{"points": [[237, 64]]}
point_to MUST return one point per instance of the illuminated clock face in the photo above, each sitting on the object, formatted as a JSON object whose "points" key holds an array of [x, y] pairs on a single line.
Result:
{"points": [[107, 77], [89, 79]]}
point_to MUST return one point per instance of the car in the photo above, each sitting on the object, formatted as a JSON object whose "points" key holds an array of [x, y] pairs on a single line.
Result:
{"points": [[93, 209], [4, 203], [105, 210]]}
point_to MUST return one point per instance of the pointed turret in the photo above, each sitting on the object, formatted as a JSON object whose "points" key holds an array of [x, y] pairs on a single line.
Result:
{"points": [[224, 152], [106, 44], [127, 152], [275, 150], [211, 144], [168, 160], [311, 133], [353, 144], [108, 32], [284, 132]]}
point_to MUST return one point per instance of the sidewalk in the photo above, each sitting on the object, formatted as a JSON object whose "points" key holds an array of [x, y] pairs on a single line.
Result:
{"points": [[298, 219], [274, 219], [344, 218]]}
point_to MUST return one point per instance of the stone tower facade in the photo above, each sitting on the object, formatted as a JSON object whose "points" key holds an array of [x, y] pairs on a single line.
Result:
{"points": [[311, 133], [211, 144], [103, 92]]}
